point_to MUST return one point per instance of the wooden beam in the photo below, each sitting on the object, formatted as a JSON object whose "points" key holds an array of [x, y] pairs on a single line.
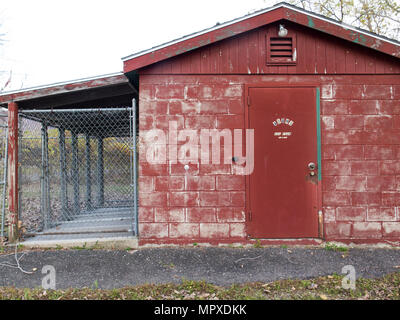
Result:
{"points": [[12, 172]]}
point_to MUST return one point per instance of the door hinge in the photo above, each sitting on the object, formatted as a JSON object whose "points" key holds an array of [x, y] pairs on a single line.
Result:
{"points": [[250, 216], [248, 100]]}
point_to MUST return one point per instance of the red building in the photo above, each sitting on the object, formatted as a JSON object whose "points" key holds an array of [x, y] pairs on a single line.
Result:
{"points": [[338, 84], [322, 99]]}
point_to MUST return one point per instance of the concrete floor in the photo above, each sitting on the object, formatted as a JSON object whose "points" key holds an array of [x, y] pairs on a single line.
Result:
{"points": [[105, 224]]}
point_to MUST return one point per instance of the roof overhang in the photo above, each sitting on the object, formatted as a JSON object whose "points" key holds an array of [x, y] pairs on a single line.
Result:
{"points": [[105, 90], [281, 11]]}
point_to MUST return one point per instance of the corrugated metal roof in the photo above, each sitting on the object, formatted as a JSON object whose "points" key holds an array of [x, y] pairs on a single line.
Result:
{"points": [[63, 83]]}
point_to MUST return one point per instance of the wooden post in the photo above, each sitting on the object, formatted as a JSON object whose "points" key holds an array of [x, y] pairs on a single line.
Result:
{"points": [[13, 172]]}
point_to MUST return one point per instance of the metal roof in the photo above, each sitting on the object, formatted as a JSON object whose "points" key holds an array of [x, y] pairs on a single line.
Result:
{"points": [[99, 90], [63, 83]]}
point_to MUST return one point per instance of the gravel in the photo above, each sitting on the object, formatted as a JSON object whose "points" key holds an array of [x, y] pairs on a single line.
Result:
{"points": [[221, 266]]}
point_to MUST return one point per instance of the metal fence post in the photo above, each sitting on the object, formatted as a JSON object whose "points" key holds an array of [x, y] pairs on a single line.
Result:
{"points": [[88, 195], [100, 172], [3, 206], [48, 204], [63, 177], [44, 185], [75, 172]]}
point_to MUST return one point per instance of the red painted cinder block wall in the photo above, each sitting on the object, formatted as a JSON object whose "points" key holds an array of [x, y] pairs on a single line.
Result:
{"points": [[361, 153], [360, 157], [207, 202]]}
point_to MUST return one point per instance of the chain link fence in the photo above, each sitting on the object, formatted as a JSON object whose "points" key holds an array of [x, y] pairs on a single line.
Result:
{"points": [[74, 163]]}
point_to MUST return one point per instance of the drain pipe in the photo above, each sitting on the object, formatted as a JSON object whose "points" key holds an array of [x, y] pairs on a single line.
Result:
{"points": [[135, 172]]}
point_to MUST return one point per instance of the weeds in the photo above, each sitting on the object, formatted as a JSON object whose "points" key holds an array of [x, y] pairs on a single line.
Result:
{"points": [[322, 288], [333, 247]]}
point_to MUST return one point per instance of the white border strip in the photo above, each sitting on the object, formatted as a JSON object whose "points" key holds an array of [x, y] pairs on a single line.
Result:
{"points": [[283, 5]]}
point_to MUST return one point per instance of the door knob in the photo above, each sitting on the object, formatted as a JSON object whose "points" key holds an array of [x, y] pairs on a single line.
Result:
{"points": [[311, 166]]}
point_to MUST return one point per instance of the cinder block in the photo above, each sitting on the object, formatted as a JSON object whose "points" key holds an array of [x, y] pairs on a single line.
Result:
{"points": [[381, 214], [351, 213], [201, 215], [183, 199], [367, 230], [169, 215], [337, 230], [153, 230], [237, 230], [391, 229], [214, 230], [184, 230], [231, 215], [231, 182]]}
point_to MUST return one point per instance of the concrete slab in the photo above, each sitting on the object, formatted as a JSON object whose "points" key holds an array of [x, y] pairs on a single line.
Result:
{"points": [[99, 240]]}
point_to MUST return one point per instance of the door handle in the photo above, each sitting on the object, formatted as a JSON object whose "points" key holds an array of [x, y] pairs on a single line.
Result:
{"points": [[312, 166]]}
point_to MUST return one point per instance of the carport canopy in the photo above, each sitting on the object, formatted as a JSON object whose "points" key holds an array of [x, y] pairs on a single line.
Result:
{"points": [[76, 104]]}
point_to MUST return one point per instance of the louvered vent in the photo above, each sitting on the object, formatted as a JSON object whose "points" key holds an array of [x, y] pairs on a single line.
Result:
{"points": [[281, 50]]}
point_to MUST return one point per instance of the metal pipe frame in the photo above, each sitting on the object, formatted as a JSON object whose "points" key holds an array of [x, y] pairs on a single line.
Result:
{"points": [[88, 194], [3, 207], [44, 185], [63, 168], [75, 172], [74, 110], [100, 172]]}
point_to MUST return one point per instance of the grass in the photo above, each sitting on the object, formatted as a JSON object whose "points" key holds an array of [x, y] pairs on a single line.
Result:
{"points": [[334, 247], [322, 288], [257, 244]]}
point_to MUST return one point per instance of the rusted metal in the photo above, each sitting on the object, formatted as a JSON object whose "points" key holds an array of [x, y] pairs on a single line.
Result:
{"points": [[65, 87], [12, 171], [320, 224]]}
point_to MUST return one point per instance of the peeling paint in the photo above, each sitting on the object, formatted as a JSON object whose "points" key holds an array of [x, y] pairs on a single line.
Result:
{"points": [[376, 44], [311, 23]]}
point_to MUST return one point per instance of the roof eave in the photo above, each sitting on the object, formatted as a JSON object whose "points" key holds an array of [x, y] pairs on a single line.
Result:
{"points": [[63, 87]]}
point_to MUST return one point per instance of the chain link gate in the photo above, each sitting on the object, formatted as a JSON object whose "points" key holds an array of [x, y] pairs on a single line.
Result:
{"points": [[76, 171]]}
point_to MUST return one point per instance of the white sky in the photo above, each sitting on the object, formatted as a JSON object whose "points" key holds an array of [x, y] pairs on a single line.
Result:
{"points": [[52, 40]]}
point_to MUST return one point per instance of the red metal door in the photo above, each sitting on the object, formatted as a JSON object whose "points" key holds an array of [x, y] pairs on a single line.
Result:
{"points": [[282, 188]]}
